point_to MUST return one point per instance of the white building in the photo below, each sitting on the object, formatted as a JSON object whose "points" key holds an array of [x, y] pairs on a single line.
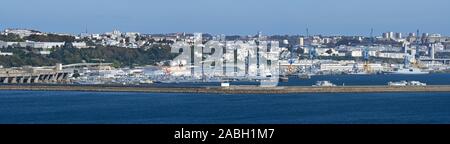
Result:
{"points": [[336, 67], [325, 52], [385, 36], [328, 40], [6, 53], [301, 42], [111, 42], [388, 35], [391, 55], [96, 36], [46, 45], [398, 35], [349, 67], [79, 45], [22, 32], [431, 51], [3, 44], [44, 52], [391, 35], [356, 53]]}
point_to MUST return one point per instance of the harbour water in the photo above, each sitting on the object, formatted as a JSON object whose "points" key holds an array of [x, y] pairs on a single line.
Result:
{"points": [[348, 80], [18, 107], [380, 79]]}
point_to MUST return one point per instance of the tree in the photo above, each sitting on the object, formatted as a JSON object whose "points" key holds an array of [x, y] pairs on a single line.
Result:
{"points": [[50, 38], [11, 38], [117, 55]]}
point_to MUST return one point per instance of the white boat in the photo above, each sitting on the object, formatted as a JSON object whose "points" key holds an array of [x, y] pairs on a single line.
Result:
{"points": [[269, 83], [400, 83], [145, 81], [324, 84], [406, 83], [416, 83], [225, 84]]}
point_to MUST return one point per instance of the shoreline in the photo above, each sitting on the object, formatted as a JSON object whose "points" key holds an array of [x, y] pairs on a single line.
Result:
{"points": [[231, 90]]}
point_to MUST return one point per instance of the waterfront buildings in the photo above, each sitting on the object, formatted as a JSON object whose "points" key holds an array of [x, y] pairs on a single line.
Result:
{"points": [[315, 54]]}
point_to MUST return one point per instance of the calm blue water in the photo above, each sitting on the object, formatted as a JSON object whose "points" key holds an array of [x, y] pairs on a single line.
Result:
{"points": [[381, 79], [107, 107]]}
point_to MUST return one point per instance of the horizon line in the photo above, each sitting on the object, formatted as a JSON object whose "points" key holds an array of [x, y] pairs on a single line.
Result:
{"points": [[212, 33]]}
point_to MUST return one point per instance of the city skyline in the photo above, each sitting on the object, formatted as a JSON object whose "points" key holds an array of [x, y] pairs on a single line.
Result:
{"points": [[346, 17]]}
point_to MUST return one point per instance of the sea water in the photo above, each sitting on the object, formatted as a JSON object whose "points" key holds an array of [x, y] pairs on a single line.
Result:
{"points": [[19, 107]]}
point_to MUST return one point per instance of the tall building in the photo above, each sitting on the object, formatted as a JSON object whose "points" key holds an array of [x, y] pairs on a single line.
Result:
{"points": [[405, 48], [388, 35], [385, 35], [301, 42], [398, 35], [116, 32], [431, 50], [391, 35]]}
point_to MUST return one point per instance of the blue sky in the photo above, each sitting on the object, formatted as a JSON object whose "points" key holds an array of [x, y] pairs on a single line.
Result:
{"points": [[329, 17]]}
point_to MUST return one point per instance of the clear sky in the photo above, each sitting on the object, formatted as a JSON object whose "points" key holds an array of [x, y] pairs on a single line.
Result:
{"points": [[329, 17]]}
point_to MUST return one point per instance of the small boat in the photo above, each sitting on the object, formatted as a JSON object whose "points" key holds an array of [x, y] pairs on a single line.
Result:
{"points": [[225, 84], [284, 79], [145, 81], [407, 83], [416, 83], [268, 83], [324, 84], [400, 83]]}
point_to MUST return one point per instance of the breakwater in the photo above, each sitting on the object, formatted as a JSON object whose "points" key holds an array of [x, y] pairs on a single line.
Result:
{"points": [[231, 89]]}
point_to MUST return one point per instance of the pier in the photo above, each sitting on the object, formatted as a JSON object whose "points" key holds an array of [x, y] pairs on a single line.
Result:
{"points": [[30, 76], [231, 89]]}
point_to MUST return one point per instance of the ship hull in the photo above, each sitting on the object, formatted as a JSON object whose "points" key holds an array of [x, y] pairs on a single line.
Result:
{"points": [[406, 73]]}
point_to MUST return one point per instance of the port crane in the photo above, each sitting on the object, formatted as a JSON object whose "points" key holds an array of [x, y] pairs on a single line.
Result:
{"points": [[291, 69], [417, 63], [167, 71], [311, 54], [366, 55]]}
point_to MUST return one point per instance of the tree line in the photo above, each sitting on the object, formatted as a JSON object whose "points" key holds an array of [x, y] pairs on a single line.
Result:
{"points": [[38, 38], [120, 57]]}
